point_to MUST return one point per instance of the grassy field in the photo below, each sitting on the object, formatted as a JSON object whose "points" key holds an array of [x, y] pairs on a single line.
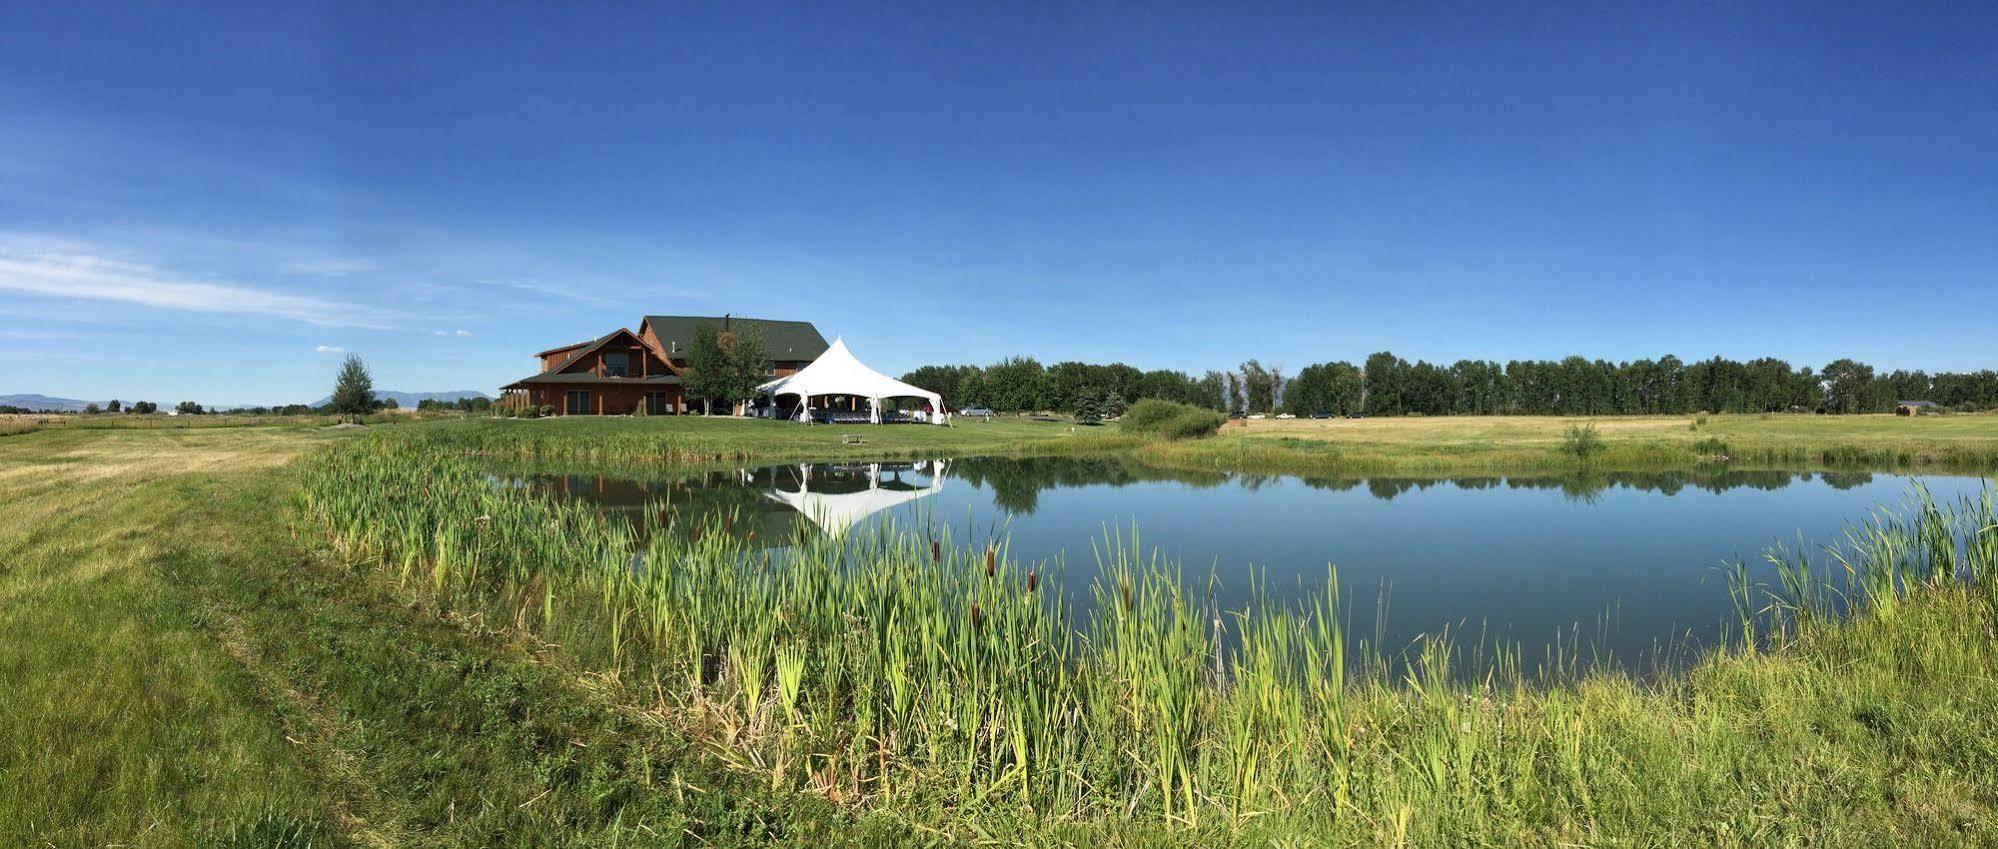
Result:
{"points": [[185, 669], [15, 424], [1514, 444], [1397, 446], [202, 668], [912, 678], [685, 439]]}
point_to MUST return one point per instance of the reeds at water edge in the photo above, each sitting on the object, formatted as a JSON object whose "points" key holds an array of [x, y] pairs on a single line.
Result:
{"points": [[894, 664]]}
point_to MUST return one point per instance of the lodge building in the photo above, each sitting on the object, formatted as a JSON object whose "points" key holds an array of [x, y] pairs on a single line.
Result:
{"points": [[623, 371]]}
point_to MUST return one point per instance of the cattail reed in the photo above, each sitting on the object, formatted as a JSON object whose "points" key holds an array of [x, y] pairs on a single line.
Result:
{"points": [[1133, 706]]}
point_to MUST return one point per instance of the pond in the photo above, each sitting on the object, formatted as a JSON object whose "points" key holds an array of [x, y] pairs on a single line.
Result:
{"points": [[1624, 568]]}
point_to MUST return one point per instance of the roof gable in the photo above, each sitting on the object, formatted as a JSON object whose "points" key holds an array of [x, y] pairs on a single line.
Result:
{"points": [[560, 348], [592, 348], [782, 340]]}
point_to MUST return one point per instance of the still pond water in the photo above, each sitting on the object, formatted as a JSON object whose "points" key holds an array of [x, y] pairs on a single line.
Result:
{"points": [[1623, 565]]}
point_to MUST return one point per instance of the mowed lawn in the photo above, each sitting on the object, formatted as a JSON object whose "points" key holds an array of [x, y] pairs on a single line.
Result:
{"points": [[722, 437], [185, 664]]}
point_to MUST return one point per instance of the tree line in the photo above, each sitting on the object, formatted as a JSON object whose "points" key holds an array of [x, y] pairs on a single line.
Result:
{"points": [[142, 408], [1387, 385], [1019, 384]]}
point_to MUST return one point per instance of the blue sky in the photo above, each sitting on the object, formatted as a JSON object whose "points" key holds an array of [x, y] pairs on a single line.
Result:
{"points": [[205, 201]]}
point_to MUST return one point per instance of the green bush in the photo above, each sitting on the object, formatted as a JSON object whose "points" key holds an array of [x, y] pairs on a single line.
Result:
{"points": [[1195, 423], [1170, 420], [1583, 441], [1146, 416]]}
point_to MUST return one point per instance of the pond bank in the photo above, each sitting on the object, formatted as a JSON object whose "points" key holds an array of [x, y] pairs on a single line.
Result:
{"points": [[209, 672], [1401, 447], [925, 679]]}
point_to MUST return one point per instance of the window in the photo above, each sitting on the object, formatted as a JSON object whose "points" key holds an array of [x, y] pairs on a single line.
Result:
{"points": [[579, 402], [658, 404], [617, 364]]}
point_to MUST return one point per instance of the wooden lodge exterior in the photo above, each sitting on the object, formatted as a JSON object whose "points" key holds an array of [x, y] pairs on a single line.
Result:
{"points": [[623, 371]]}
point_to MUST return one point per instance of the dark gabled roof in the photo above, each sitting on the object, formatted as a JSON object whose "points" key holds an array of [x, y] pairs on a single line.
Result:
{"points": [[784, 340], [587, 377], [585, 350], [560, 348]]}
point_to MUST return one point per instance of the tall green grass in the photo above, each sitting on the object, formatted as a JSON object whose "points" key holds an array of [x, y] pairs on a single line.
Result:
{"points": [[1170, 420], [900, 669], [1927, 545]]}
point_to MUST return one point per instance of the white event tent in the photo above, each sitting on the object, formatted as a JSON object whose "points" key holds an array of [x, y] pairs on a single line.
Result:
{"points": [[839, 372]]}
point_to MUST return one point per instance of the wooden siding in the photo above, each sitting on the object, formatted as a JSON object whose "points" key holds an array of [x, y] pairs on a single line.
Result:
{"points": [[640, 358], [606, 399], [554, 358]]}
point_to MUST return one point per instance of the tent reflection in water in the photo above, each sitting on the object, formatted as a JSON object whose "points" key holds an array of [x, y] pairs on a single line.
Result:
{"points": [[838, 373], [840, 498]]}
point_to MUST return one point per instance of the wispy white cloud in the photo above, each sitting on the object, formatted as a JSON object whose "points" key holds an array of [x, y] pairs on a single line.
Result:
{"points": [[450, 332], [38, 334], [96, 278], [330, 349], [551, 290], [330, 267]]}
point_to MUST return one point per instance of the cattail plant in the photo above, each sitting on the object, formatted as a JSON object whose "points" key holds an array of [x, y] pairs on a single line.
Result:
{"points": [[884, 651]]}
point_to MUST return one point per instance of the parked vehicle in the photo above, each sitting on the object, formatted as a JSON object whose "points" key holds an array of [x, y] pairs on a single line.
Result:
{"points": [[1286, 416], [1356, 415], [1321, 414], [978, 412]]}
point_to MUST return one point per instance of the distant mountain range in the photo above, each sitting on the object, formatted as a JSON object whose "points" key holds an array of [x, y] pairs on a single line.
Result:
{"points": [[38, 403], [406, 400]]}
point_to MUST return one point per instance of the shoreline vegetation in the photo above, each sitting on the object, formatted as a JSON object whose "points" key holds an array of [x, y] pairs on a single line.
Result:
{"points": [[1404, 446], [354, 639], [1514, 444], [909, 675], [1336, 448]]}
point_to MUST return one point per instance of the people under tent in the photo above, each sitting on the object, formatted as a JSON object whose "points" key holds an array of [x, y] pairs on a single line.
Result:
{"points": [[837, 388]]}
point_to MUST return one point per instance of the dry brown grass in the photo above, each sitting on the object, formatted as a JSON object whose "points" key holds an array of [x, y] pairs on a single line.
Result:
{"points": [[1516, 431], [70, 457], [12, 424], [1457, 429], [1500, 444]]}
